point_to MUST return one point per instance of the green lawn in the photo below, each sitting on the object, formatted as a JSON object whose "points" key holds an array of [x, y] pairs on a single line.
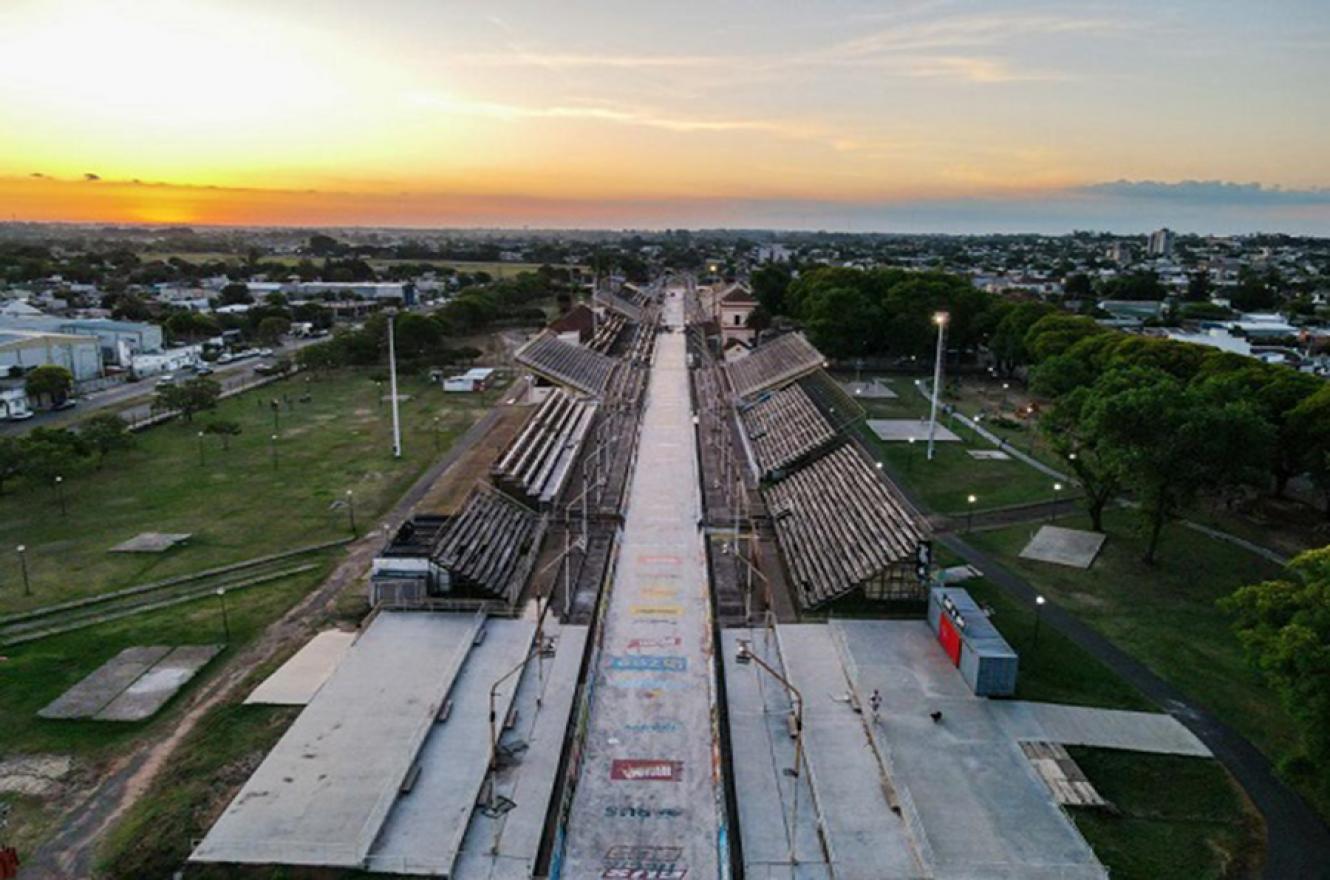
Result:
{"points": [[1177, 818], [236, 503], [1165, 615]]}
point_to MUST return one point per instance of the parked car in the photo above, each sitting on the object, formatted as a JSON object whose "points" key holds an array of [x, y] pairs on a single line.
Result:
{"points": [[22, 416], [164, 381], [67, 403], [203, 370]]}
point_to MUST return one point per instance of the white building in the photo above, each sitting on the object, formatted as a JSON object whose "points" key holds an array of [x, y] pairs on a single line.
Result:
{"points": [[1161, 243]]}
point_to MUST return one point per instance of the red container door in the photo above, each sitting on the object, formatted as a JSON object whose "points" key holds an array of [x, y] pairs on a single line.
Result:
{"points": [[950, 639]]}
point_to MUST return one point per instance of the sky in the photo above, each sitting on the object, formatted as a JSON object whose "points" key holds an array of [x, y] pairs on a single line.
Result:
{"points": [[1204, 115]]}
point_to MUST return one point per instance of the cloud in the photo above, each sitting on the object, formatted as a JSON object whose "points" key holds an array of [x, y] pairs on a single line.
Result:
{"points": [[1209, 192]]}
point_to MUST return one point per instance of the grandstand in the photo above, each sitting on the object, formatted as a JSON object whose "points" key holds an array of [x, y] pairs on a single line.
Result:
{"points": [[842, 529], [567, 364], [490, 545], [607, 332], [773, 364], [624, 305], [536, 465], [783, 427]]}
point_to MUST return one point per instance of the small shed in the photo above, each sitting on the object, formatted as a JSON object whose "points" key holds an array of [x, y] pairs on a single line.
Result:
{"points": [[987, 663], [474, 379]]}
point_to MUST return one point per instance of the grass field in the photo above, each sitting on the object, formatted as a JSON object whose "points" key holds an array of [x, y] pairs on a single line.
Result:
{"points": [[1165, 615], [235, 503], [1177, 818], [945, 483]]}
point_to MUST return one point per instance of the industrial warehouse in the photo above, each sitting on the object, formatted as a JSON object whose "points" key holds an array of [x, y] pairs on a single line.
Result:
{"points": [[684, 626]]}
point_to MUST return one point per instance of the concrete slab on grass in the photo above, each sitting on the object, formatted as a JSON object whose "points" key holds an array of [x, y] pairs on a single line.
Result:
{"points": [[874, 389], [153, 688], [901, 430], [988, 455], [1075, 548], [1101, 728], [297, 680], [105, 683], [151, 542]]}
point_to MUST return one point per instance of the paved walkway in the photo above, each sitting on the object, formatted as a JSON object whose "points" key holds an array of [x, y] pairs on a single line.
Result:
{"points": [[649, 795]]}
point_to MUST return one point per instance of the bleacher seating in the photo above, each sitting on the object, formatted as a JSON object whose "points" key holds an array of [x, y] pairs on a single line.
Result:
{"points": [[490, 545], [567, 364], [607, 332], [828, 395], [783, 427], [773, 364], [624, 305], [537, 464], [841, 528]]}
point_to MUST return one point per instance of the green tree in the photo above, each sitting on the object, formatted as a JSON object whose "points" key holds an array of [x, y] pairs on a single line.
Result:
{"points": [[235, 294], [1055, 333], [1072, 430], [11, 459], [49, 381], [839, 321], [769, 286], [224, 429], [1198, 286], [188, 398], [1254, 292], [1284, 626], [52, 452], [105, 433], [1077, 286], [1275, 392], [1171, 443], [1310, 423], [1007, 343], [272, 329]]}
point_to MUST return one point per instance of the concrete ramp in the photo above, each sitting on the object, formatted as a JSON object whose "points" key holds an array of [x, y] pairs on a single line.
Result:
{"points": [[866, 840], [324, 791]]}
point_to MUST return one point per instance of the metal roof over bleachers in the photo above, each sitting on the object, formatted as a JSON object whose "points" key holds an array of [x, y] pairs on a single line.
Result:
{"points": [[773, 363], [567, 364]]}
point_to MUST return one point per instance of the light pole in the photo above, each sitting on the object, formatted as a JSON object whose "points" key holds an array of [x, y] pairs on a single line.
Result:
{"points": [[272, 444], [201, 449], [436, 433], [1038, 608], [226, 621], [1057, 490], [60, 490], [911, 459], [23, 563], [1005, 387], [392, 379], [746, 655], [351, 512], [940, 319], [969, 511]]}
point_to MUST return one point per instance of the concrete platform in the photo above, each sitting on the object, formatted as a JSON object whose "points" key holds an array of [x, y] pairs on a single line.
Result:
{"points": [[1102, 728], [159, 684], [772, 814], [967, 790], [151, 542], [1075, 548], [89, 696], [297, 680], [649, 780], [323, 792], [901, 430], [874, 389], [423, 832], [988, 455], [505, 847], [865, 838]]}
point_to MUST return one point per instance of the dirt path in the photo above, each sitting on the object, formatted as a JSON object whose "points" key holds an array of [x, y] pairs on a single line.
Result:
{"points": [[71, 851]]}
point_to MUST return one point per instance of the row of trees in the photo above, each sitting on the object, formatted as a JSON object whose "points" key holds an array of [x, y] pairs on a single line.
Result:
{"points": [[877, 312], [44, 454], [1168, 421]]}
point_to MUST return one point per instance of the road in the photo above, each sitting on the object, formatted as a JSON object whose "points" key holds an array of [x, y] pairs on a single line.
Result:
{"points": [[133, 400]]}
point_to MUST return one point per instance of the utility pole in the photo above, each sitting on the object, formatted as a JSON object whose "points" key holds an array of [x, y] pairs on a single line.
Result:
{"points": [[940, 319], [392, 380]]}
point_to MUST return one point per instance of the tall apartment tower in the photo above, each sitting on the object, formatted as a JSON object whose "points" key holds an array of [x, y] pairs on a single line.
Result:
{"points": [[1161, 243]]}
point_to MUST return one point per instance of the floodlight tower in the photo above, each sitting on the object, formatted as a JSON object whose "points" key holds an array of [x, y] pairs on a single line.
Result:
{"points": [[392, 388], [940, 319]]}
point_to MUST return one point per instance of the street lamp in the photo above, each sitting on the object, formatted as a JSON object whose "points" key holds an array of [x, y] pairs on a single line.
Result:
{"points": [[273, 445], [912, 439], [60, 490], [23, 562], [1057, 489], [200, 449], [796, 718], [436, 433], [969, 511], [226, 621], [1038, 608], [940, 319], [351, 512]]}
